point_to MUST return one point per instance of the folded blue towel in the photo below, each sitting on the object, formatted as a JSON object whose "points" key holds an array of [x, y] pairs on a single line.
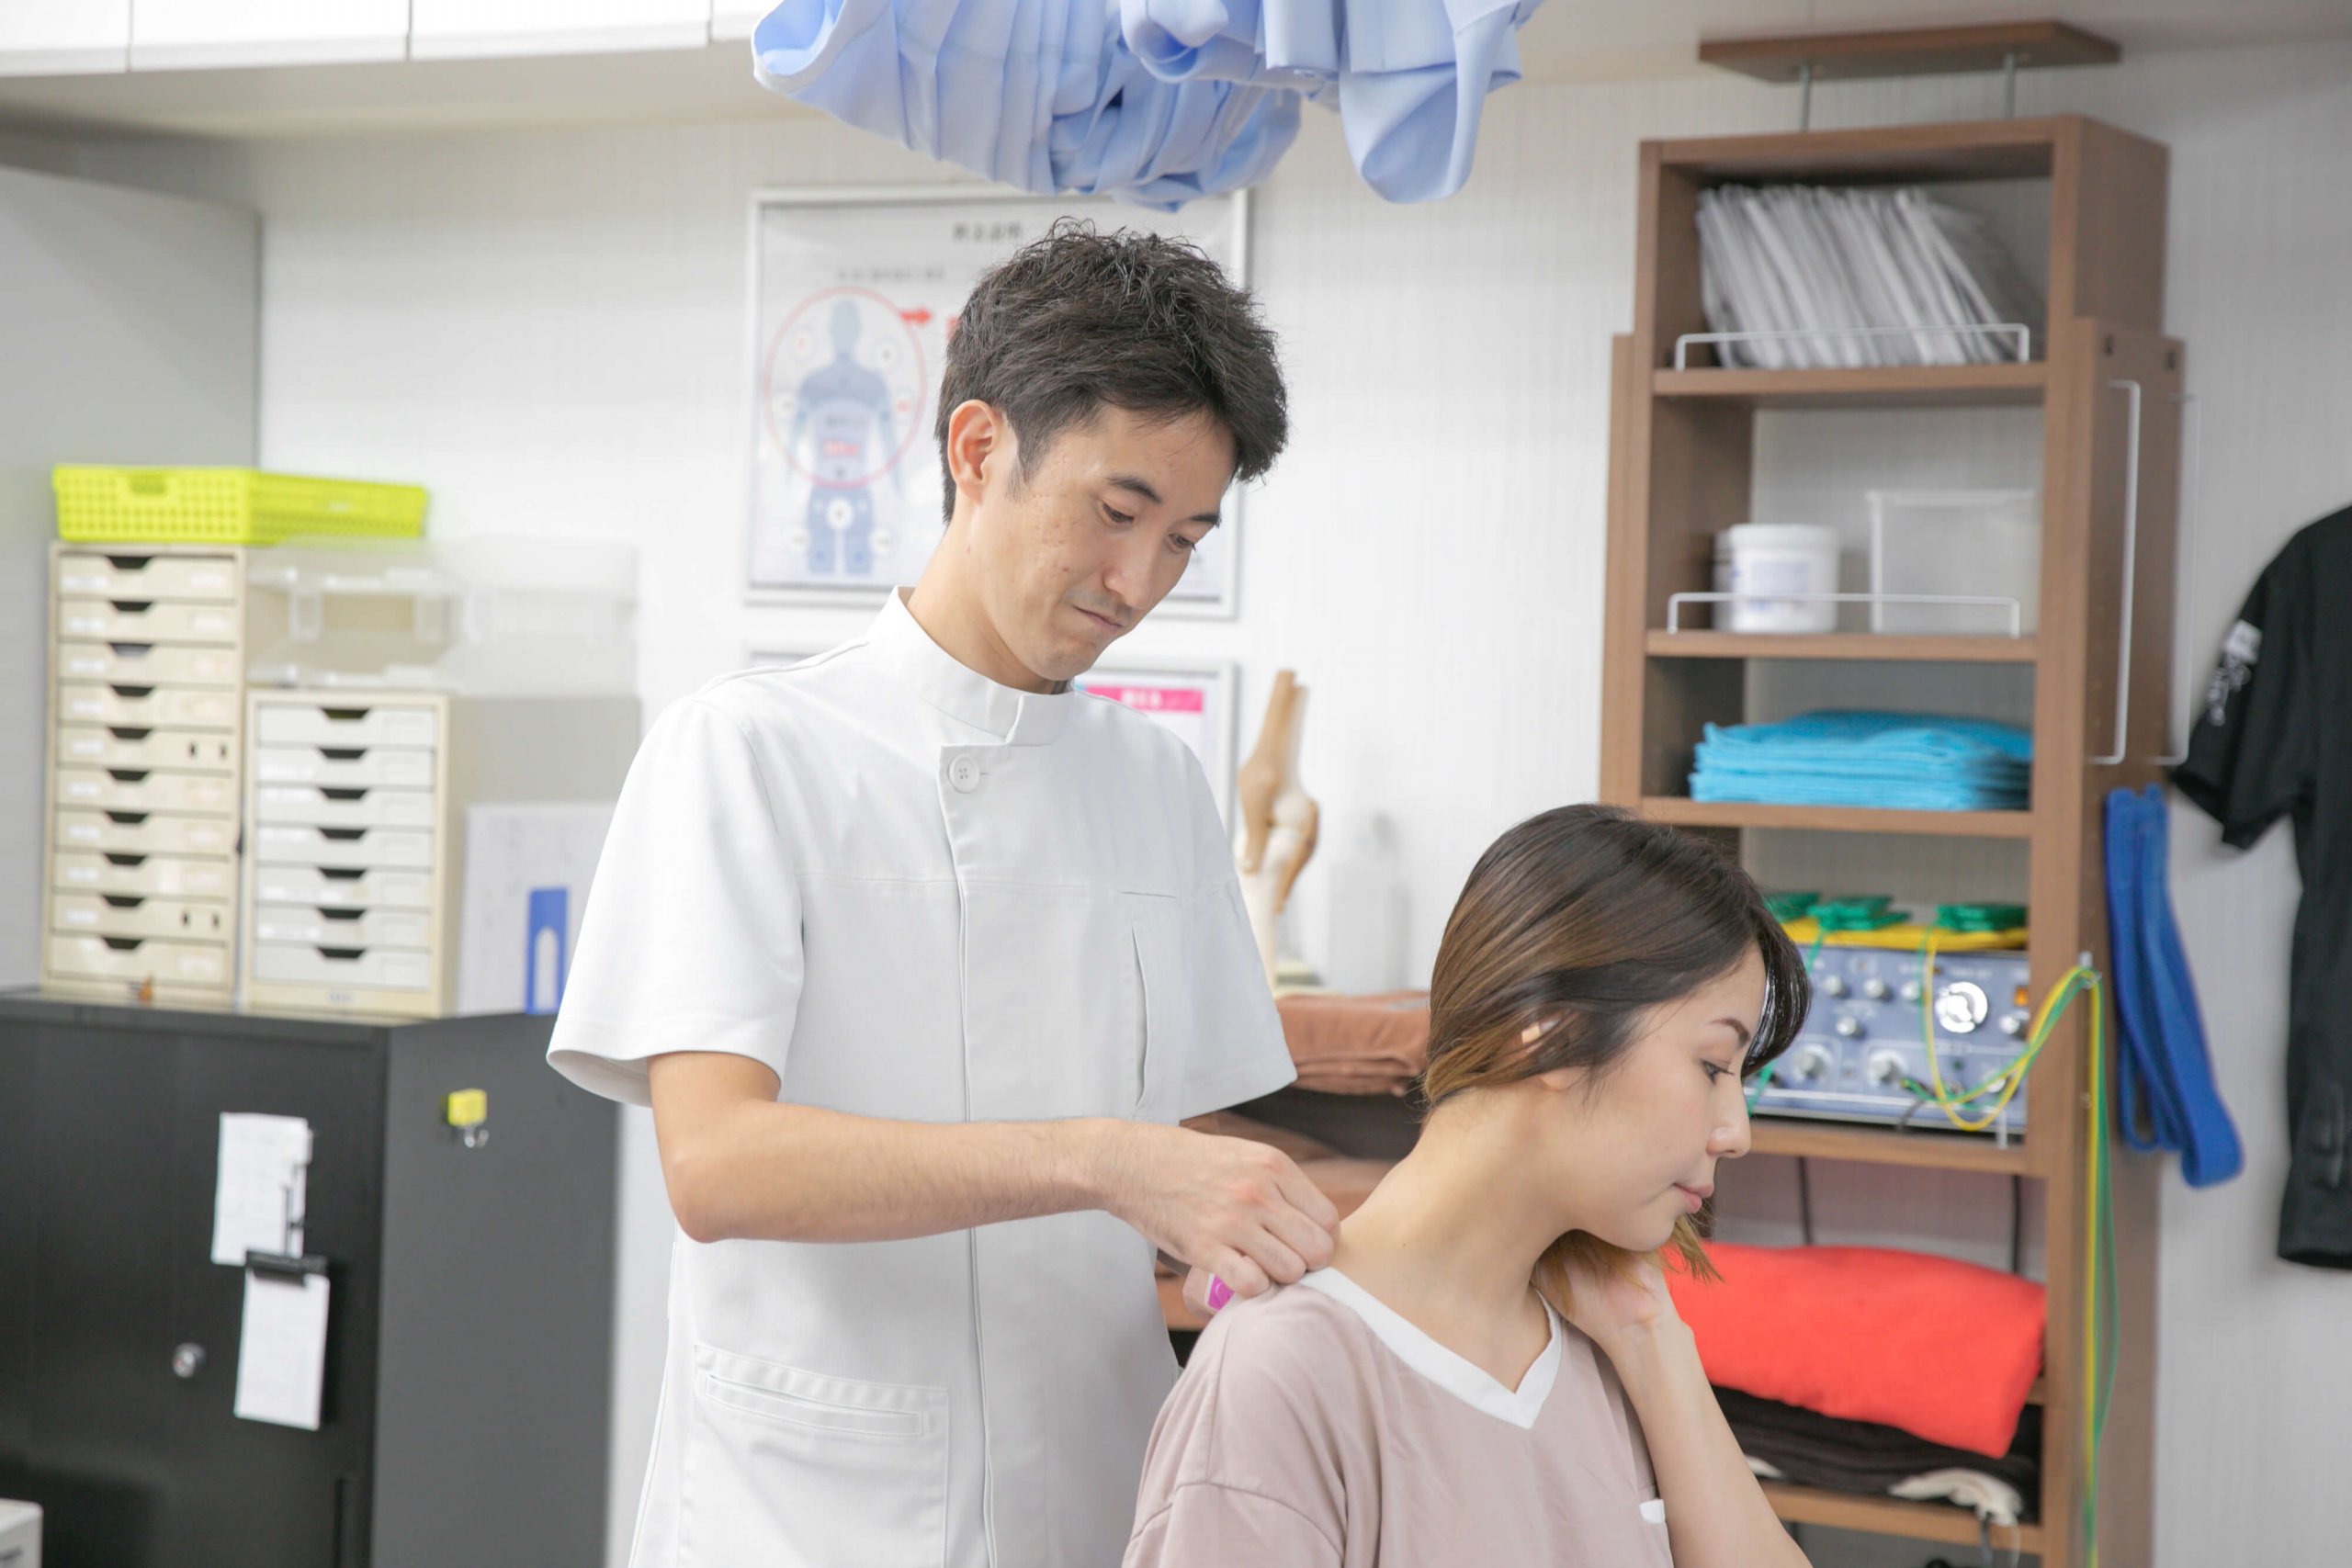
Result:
{"points": [[1898, 760]]}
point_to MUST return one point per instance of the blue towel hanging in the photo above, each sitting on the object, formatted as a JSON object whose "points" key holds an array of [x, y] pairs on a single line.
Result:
{"points": [[2164, 1074]]}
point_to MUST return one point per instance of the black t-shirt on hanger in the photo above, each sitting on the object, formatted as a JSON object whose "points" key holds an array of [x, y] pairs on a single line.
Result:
{"points": [[2275, 737]]}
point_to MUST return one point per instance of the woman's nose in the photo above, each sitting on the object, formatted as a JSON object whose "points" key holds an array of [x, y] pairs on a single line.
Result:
{"points": [[1730, 1139]]}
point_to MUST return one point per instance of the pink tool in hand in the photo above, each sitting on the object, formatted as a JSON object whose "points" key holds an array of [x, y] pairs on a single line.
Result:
{"points": [[1219, 1294]]}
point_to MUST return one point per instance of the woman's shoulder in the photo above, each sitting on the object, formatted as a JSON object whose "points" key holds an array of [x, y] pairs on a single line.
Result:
{"points": [[1292, 1351]]}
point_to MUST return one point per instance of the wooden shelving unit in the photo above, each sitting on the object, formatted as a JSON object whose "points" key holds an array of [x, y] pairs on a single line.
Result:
{"points": [[1920, 386], [1682, 446], [1837, 818]]}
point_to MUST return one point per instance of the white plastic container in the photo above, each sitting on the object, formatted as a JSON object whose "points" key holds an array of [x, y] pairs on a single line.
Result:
{"points": [[1756, 560], [1982, 543]]}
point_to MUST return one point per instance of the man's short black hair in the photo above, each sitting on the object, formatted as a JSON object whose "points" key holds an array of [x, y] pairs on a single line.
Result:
{"points": [[1079, 318]]}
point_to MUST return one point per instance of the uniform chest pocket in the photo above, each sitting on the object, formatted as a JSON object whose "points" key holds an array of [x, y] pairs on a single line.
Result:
{"points": [[1078, 1001], [1164, 990], [790, 1469]]}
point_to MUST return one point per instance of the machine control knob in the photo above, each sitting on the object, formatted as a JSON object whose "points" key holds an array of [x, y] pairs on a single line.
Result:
{"points": [[1962, 1007], [1811, 1063], [1875, 989], [1887, 1068], [1851, 1027], [187, 1361], [1833, 985], [2013, 1023], [1909, 991]]}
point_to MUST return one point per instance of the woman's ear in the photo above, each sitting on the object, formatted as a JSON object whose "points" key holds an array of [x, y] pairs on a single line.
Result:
{"points": [[1559, 1081]]}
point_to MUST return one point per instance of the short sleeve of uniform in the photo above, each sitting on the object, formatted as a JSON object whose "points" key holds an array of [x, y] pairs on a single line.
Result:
{"points": [[691, 939], [1235, 1050], [2250, 757]]}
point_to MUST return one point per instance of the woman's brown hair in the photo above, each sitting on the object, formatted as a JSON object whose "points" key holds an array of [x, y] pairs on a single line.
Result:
{"points": [[1577, 925]]}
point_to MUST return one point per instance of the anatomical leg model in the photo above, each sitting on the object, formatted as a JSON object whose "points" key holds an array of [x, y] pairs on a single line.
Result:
{"points": [[1275, 834]]}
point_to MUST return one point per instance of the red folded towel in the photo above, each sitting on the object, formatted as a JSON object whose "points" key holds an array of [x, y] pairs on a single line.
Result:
{"points": [[1945, 1350]]}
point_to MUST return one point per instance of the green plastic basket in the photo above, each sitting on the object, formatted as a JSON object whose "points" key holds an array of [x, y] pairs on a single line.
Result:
{"points": [[228, 506]]}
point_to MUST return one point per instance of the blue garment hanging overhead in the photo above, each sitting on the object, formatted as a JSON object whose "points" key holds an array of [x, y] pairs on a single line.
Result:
{"points": [[1156, 102], [2164, 1075]]}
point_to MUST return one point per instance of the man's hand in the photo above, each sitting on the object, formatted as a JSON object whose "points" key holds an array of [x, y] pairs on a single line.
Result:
{"points": [[1231, 1208]]}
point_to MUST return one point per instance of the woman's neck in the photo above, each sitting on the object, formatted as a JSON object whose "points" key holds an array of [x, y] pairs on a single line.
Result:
{"points": [[1442, 1243]]}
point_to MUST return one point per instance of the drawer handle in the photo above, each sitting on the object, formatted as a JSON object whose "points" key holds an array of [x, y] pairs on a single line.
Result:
{"points": [[134, 861], [340, 914], [343, 873], [343, 753], [341, 954], [131, 563], [131, 606], [344, 835], [127, 818], [123, 900], [345, 792], [131, 649], [128, 776], [130, 693], [345, 716], [122, 733], [124, 943]]}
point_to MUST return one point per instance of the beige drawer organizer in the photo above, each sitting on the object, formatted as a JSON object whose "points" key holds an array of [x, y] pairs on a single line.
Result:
{"points": [[139, 878], [357, 806]]}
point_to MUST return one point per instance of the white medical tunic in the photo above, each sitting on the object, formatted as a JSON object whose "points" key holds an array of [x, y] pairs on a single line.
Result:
{"points": [[918, 894]]}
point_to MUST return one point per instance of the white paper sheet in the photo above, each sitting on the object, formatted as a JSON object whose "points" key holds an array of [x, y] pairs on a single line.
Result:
{"points": [[282, 1351], [514, 850], [258, 1205]]}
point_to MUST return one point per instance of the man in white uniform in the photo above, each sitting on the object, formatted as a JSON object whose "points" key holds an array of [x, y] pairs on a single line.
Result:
{"points": [[917, 954]]}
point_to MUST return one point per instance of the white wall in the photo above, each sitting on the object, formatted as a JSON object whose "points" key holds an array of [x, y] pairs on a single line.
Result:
{"points": [[548, 327]]}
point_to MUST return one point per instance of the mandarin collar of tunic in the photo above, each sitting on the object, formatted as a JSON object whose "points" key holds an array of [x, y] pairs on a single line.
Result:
{"points": [[1014, 717]]}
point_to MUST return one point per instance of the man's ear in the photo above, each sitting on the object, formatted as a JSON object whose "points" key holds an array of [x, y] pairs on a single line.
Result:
{"points": [[979, 445]]}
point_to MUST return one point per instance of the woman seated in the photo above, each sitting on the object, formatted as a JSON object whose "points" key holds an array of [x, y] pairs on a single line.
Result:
{"points": [[1491, 1369]]}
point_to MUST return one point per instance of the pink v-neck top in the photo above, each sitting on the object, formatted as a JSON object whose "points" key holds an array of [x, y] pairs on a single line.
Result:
{"points": [[1316, 1428]]}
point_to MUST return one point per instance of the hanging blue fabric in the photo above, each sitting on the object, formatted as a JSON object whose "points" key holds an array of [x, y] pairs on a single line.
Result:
{"points": [[2164, 1074], [1156, 102]]}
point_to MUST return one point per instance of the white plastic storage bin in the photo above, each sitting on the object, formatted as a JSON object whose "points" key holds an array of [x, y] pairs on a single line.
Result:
{"points": [[145, 576], [133, 833], [341, 973], [1981, 544], [149, 664], [136, 750], [165, 876], [353, 849], [125, 790], [135, 961], [180, 919], [1755, 560], [331, 889]]}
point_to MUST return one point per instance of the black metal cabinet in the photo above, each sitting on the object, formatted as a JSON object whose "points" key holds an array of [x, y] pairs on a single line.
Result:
{"points": [[469, 1335]]}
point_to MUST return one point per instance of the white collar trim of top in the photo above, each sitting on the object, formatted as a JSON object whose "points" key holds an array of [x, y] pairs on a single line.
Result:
{"points": [[1017, 718], [1460, 1377]]}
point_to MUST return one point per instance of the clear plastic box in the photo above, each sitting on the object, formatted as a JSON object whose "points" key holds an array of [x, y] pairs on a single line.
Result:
{"points": [[1982, 543], [479, 617]]}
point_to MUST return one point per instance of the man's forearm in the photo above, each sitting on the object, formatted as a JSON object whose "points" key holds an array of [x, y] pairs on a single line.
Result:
{"points": [[782, 1172]]}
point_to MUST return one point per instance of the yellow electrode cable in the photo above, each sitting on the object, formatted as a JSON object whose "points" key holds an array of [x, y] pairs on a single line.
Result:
{"points": [[2011, 1079], [2096, 1220]]}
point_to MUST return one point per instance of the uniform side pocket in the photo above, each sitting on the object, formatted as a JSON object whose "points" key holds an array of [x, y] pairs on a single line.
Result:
{"points": [[787, 1468]]}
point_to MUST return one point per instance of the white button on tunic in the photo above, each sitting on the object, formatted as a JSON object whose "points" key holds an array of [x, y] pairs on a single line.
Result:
{"points": [[918, 894]]}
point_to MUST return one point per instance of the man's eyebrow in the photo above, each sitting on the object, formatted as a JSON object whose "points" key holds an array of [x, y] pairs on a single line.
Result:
{"points": [[1142, 487]]}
